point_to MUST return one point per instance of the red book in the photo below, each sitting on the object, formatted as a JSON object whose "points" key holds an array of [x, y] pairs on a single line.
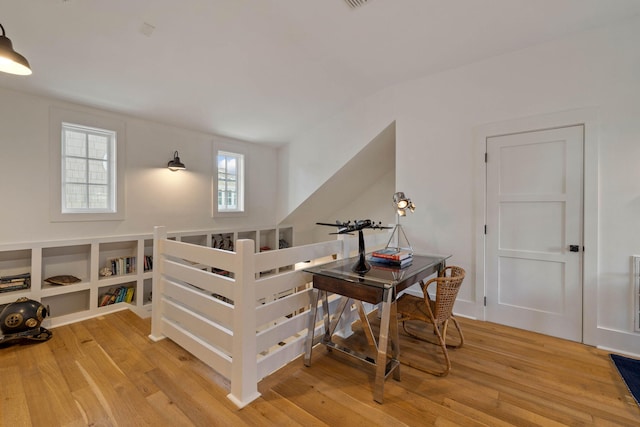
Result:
{"points": [[392, 254]]}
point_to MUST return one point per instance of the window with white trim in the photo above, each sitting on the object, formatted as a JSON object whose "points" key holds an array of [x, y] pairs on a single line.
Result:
{"points": [[88, 169], [87, 166], [230, 173]]}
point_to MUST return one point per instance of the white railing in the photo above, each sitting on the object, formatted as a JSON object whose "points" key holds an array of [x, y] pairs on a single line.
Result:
{"points": [[244, 314]]}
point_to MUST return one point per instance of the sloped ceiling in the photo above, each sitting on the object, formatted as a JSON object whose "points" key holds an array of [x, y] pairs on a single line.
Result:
{"points": [[266, 70], [341, 193]]}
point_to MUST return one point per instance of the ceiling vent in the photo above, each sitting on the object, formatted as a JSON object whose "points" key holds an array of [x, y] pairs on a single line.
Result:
{"points": [[356, 3]]}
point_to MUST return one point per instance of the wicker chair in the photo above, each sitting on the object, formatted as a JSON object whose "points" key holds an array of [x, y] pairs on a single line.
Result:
{"points": [[437, 312]]}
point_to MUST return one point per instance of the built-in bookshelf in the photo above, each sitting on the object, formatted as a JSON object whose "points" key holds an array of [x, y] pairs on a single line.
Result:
{"points": [[72, 276], [92, 269]]}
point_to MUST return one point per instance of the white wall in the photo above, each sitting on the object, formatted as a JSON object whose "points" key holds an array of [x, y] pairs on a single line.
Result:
{"points": [[435, 121], [314, 157], [154, 195]]}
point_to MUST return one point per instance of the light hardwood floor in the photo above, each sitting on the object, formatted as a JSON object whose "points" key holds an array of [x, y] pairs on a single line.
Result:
{"points": [[106, 372]]}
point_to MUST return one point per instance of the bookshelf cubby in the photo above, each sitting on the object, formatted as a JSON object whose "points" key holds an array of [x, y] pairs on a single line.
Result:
{"points": [[226, 241], [74, 260], [67, 304], [120, 257], [267, 240], [83, 259], [122, 293], [15, 262], [147, 288], [196, 239]]}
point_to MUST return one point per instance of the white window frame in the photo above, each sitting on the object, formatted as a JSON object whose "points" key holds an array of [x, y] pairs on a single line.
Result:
{"points": [[224, 149], [109, 161], [60, 117]]}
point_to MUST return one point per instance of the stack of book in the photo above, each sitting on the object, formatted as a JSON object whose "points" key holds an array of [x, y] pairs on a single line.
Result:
{"points": [[392, 257], [148, 263], [16, 282], [122, 265], [121, 294]]}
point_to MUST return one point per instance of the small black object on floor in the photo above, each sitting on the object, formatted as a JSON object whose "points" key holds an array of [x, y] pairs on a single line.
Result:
{"points": [[629, 370]]}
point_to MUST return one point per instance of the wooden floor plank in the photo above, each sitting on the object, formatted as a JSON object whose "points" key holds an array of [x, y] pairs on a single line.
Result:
{"points": [[45, 387], [14, 409], [106, 371]]}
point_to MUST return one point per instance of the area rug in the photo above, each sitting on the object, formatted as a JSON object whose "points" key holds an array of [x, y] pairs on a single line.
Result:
{"points": [[629, 370]]}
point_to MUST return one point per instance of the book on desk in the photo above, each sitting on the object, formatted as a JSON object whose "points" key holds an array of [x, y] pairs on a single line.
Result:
{"points": [[391, 257]]}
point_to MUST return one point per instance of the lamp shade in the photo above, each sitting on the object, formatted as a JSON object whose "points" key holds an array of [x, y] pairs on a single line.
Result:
{"points": [[11, 61], [402, 203], [398, 239], [175, 163]]}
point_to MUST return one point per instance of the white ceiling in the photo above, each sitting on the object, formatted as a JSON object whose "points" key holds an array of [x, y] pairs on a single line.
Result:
{"points": [[265, 70]]}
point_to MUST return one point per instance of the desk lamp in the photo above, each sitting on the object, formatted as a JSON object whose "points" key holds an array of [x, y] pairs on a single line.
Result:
{"points": [[398, 239]]}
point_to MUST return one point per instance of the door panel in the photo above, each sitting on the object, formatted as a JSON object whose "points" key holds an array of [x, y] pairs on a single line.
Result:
{"points": [[544, 233], [534, 212], [541, 284]]}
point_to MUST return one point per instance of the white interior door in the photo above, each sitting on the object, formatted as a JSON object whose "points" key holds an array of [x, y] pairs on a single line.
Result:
{"points": [[535, 231]]}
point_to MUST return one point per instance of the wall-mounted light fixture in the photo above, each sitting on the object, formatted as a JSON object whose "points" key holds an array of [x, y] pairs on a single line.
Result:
{"points": [[398, 239], [11, 61], [175, 164]]}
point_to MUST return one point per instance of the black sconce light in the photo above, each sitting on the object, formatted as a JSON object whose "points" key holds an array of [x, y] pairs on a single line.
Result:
{"points": [[175, 164], [11, 61]]}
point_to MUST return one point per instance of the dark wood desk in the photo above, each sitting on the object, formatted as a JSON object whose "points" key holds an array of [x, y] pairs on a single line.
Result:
{"points": [[380, 285]]}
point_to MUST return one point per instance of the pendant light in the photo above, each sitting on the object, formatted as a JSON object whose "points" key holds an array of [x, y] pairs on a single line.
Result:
{"points": [[11, 61]]}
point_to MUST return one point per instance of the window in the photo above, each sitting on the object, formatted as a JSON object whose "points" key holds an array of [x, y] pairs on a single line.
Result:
{"points": [[230, 167], [88, 169], [87, 166]]}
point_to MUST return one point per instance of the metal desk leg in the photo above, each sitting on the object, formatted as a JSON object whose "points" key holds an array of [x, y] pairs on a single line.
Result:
{"points": [[441, 267], [366, 326], [326, 315], [308, 346], [381, 358], [333, 324], [395, 339]]}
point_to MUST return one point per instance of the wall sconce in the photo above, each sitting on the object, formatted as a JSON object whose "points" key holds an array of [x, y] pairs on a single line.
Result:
{"points": [[398, 239], [175, 163], [11, 61]]}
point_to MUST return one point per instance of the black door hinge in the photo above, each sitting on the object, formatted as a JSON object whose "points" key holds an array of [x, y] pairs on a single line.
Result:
{"points": [[485, 301]]}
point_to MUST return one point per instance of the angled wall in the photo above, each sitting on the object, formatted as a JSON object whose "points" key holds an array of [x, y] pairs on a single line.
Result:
{"points": [[361, 189]]}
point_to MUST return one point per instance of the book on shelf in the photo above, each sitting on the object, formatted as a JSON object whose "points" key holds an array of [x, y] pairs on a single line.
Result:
{"points": [[148, 263], [106, 298], [116, 295], [15, 286], [129, 295], [122, 265], [122, 291], [15, 282], [393, 254]]}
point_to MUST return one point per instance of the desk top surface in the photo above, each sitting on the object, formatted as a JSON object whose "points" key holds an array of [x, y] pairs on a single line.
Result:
{"points": [[379, 275]]}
